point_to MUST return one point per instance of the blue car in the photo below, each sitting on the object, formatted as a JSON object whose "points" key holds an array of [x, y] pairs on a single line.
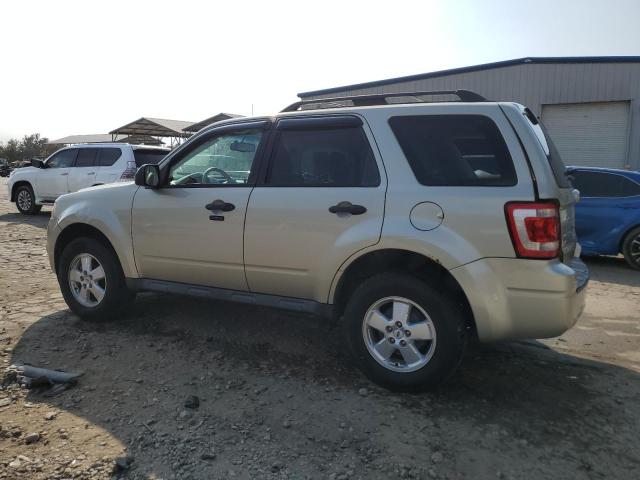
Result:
{"points": [[608, 213]]}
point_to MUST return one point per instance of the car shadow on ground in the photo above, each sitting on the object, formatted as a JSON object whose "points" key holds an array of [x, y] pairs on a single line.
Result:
{"points": [[39, 220], [612, 270], [253, 367]]}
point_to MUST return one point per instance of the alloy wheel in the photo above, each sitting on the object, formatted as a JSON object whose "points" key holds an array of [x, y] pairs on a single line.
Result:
{"points": [[634, 249], [24, 200], [399, 334], [87, 280]]}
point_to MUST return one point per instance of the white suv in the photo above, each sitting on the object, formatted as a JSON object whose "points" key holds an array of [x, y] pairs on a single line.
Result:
{"points": [[74, 168]]}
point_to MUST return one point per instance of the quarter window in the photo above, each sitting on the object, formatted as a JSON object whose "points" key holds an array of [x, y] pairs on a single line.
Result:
{"points": [[455, 150], [86, 157], [63, 159], [603, 184], [148, 156], [332, 157], [225, 159], [108, 156]]}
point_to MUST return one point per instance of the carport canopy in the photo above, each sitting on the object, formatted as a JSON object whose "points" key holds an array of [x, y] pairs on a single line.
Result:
{"points": [[208, 121], [155, 127]]}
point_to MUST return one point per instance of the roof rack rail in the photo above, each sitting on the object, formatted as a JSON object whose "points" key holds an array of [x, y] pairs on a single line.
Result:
{"points": [[381, 98]]}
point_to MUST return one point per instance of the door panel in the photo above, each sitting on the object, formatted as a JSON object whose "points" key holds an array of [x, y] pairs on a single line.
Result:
{"points": [[175, 240], [599, 222], [179, 233], [83, 173], [52, 181], [606, 208], [294, 244]]}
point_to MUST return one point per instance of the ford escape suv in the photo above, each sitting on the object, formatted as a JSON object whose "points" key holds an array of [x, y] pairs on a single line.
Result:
{"points": [[420, 226]]}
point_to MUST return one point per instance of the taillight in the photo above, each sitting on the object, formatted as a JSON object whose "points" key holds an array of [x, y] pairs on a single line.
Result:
{"points": [[129, 172], [534, 228]]}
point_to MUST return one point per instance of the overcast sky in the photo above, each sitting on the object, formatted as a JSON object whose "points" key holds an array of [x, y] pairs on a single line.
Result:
{"points": [[79, 67]]}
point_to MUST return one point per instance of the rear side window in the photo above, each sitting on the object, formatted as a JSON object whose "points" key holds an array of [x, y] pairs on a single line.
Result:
{"points": [[148, 156], [86, 157], [603, 184], [108, 156], [455, 150], [328, 157]]}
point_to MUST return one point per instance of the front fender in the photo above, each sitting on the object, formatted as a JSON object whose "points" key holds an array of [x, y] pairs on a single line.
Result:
{"points": [[109, 211]]}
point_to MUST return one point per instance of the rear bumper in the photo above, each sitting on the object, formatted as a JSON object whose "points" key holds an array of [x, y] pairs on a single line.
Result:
{"points": [[514, 298]]}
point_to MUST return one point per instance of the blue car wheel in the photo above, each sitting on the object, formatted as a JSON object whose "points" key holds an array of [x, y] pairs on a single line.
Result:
{"points": [[631, 248]]}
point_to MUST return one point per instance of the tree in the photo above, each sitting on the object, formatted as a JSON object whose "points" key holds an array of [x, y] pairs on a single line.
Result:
{"points": [[30, 146], [11, 151]]}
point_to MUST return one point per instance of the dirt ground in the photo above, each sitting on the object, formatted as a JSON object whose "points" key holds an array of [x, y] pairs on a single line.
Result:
{"points": [[280, 400]]}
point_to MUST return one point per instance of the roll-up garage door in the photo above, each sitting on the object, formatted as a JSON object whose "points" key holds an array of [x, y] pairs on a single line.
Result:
{"points": [[589, 134]]}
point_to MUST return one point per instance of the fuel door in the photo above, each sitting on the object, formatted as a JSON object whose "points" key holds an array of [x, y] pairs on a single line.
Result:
{"points": [[426, 216]]}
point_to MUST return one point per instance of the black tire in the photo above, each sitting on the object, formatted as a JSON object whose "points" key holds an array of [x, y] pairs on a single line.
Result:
{"points": [[631, 248], [30, 208], [447, 319], [117, 297]]}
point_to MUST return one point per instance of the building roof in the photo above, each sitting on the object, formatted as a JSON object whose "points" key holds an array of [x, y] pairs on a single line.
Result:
{"points": [[92, 138], [474, 68], [105, 138], [208, 121], [157, 127]]}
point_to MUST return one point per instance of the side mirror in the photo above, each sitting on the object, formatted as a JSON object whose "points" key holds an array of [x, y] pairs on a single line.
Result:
{"points": [[35, 162], [148, 175]]}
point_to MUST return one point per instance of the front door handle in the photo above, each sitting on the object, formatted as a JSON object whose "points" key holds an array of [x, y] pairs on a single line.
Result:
{"points": [[64, 174], [91, 173], [347, 207], [220, 206]]}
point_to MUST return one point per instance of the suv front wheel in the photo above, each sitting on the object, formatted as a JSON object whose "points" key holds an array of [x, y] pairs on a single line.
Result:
{"points": [[92, 281], [26, 201], [403, 334]]}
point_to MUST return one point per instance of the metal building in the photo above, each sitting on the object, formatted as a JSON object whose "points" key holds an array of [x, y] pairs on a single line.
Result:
{"points": [[590, 105]]}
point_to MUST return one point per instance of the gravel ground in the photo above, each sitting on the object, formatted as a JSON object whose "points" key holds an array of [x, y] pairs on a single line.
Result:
{"points": [[278, 398]]}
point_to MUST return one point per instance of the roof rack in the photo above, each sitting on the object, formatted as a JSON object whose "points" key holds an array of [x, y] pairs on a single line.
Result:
{"points": [[381, 98]]}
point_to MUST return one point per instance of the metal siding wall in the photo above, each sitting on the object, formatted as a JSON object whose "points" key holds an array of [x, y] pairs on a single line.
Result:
{"points": [[589, 134], [539, 84]]}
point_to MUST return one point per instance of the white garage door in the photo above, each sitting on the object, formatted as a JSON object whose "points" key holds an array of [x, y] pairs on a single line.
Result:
{"points": [[589, 134]]}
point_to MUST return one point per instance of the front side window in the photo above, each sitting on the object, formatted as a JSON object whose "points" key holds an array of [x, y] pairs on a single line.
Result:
{"points": [[455, 150], [86, 157], [225, 159], [332, 157], [603, 184], [63, 159]]}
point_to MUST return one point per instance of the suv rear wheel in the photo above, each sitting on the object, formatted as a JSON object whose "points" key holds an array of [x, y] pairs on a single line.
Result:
{"points": [[403, 334], [26, 201], [631, 248], [92, 281]]}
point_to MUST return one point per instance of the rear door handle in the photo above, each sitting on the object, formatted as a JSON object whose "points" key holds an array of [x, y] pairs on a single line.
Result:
{"points": [[348, 207], [64, 174], [91, 173], [220, 206]]}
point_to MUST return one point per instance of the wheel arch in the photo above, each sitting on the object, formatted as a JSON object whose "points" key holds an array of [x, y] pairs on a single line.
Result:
{"points": [[626, 233], [400, 261], [18, 184], [78, 230]]}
